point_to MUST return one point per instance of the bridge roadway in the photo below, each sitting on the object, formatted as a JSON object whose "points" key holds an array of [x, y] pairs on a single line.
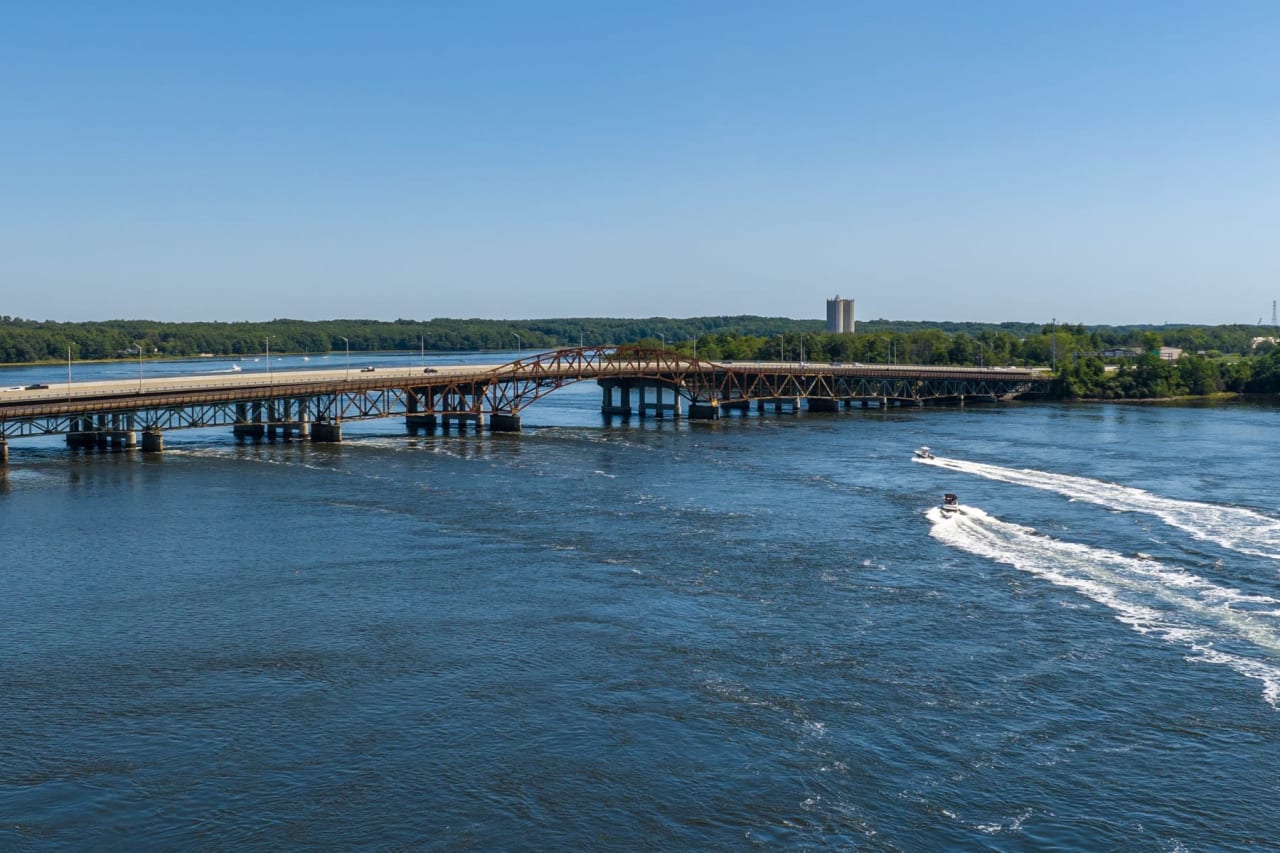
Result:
{"points": [[313, 403]]}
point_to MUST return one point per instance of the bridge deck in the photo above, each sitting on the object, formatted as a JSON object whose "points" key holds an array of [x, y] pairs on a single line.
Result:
{"points": [[470, 390]]}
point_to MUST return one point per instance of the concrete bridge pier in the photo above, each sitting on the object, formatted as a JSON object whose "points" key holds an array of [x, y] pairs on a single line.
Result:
{"points": [[704, 411], [304, 421], [248, 430], [81, 436], [152, 440], [504, 422], [327, 432], [248, 422], [460, 420], [4, 451], [273, 418], [607, 404], [821, 404], [418, 421], [659, 406]]}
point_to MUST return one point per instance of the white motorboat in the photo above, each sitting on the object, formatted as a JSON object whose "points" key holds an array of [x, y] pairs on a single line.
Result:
{"points": [[924, 453], [950, 505]]}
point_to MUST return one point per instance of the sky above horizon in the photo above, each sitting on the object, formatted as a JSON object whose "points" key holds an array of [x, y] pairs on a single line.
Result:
{"points": [[1092, 162]]}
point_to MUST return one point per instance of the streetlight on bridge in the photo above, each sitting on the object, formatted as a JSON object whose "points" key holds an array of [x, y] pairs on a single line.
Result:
{"points": [[518, 344], [270, 378], [347, 375], [664, 340], [139, 348], [782, 347]]}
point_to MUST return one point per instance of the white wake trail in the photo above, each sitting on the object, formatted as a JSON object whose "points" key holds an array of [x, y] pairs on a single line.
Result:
{"points": [[1214, 623], [1236, 528]]}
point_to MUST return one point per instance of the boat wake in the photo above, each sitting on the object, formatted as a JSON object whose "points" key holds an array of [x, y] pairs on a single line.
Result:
{"points": [[1214, 623], [1236, 528]]}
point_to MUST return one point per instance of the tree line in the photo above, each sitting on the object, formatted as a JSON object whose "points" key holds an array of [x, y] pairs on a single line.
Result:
{"points": [[1108, 362]]}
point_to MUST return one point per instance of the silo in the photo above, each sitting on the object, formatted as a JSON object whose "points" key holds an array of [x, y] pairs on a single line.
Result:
{"points": [[846, 316], [833, 314]]}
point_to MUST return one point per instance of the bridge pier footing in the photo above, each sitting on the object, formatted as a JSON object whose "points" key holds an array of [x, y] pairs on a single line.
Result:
{"points": [[503, 422], [326, 433], [4, 451], [415, 422], [821, 404], [460, 420], [251, 431], [607, 404], [704, 411], [152, 441]]}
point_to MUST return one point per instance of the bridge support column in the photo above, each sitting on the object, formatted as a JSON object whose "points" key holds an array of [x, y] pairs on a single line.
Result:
{"points": [[81, 435], [704, 411], [304, 420], [253, 431], [152, 441], [821, 404], [327, 432], [415, 422], [502, 422], [607, 405], [760, 407], [4, 451]]}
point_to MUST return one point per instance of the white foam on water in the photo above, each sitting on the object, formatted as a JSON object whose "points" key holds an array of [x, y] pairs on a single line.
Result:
{"points": [[1237, 528], [1214, 623]]}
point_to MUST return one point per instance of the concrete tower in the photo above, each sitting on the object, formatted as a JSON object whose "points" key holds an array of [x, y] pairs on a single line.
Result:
{"points": [[840, 315]]}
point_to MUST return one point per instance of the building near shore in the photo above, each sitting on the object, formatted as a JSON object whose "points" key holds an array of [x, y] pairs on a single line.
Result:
{"points": [[840, 316]]}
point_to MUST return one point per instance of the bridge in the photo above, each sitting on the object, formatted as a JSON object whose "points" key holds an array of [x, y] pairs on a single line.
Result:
{"points": [[313, 404]]}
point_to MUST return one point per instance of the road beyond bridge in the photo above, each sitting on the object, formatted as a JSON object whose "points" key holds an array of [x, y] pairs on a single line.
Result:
{"points": [[314, 403]]}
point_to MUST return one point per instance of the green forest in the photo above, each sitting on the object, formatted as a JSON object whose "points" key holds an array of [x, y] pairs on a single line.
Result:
{"points": [[1101, 362]]}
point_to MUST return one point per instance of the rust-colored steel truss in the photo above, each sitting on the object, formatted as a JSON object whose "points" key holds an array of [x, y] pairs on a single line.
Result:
{"points": [[504, 390]]}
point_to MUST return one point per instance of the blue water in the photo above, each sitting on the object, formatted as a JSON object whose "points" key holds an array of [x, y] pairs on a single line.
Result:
{"points": [[756, 634]]}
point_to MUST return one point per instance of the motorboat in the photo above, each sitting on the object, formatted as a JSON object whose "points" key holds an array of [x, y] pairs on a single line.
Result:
{"points": [[924, 453], [950, 505]]}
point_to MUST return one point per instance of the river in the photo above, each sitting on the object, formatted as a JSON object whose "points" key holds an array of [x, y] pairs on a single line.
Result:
{"points": [[649, 635]]}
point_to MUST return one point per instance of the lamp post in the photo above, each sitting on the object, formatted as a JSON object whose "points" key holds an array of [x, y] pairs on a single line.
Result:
{"points": [[982, 353], [1054, 362], [68, 373], [782, 347], [518, 344], [664, 340], [347, 375], [269, 376], [139, 367]]}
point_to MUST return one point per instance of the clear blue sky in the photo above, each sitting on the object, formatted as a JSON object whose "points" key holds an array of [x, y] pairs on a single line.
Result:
{"points": [[1094, 162]]}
